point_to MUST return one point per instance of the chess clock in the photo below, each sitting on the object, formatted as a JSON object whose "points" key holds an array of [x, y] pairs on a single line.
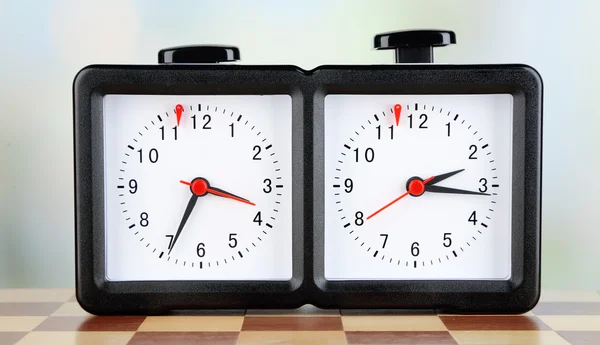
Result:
{"points": [[200, 183], [189, 184]]}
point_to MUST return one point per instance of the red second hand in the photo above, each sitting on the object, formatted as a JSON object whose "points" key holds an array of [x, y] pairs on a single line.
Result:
{"points": [[388, 205], [200, 188], [416, 189]]}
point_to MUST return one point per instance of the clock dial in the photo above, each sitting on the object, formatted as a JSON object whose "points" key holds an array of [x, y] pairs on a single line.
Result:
{"points": [[417, 187], [198, 187]]}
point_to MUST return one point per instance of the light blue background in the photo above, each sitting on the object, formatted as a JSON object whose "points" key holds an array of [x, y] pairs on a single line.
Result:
{"points": [[44, 43]]}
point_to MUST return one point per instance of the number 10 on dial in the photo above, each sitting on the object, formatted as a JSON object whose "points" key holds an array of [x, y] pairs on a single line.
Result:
{"points": [[418, 187]]}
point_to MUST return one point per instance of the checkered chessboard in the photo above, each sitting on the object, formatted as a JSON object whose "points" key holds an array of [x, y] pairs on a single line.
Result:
{"points": [[54, 317]]}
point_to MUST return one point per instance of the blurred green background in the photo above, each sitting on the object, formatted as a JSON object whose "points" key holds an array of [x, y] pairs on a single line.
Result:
{"points": [[44, 44]]}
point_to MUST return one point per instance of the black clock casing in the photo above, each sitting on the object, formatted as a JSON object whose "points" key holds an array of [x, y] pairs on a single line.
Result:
{"points": [[176, 75]]}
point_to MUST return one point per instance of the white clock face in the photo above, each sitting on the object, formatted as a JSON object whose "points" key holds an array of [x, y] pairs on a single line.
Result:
{"points": [[198, 187], [418, 187]]}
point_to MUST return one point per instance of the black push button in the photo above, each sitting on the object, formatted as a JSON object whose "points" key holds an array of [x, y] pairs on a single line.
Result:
{"points": [[414, 46], [199, 54]]}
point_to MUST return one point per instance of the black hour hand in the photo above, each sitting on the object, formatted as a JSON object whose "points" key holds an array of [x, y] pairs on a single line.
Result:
{"points": [[442, 177], [439, 189]]}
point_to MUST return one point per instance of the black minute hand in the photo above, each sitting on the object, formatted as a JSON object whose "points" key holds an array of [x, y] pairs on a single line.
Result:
{"points": [[439, 189], [186, 215]]}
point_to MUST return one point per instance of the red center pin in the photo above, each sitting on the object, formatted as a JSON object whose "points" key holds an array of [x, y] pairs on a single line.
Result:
{"points": [[178, 112], [397, 111]]}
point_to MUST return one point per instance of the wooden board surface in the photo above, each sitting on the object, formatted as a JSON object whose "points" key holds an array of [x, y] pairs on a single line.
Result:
{"points": [[32, 316]]}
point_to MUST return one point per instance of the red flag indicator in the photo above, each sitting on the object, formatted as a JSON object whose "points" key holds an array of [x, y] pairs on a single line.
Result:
{"points": [[397, 111], [178, 112]]}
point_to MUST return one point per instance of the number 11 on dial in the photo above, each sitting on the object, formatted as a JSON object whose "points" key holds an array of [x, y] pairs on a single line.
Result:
{"points": [[418, 187]]}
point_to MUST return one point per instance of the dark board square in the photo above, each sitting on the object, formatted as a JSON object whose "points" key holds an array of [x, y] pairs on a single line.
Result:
{"points": [[398, 312], [581, 338], [184, 338], [207, 312], [493, 323], [11, 338], [292, 324], [28, 309], [306, 309], [424, 337], [567, 308], [91, 323]]}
